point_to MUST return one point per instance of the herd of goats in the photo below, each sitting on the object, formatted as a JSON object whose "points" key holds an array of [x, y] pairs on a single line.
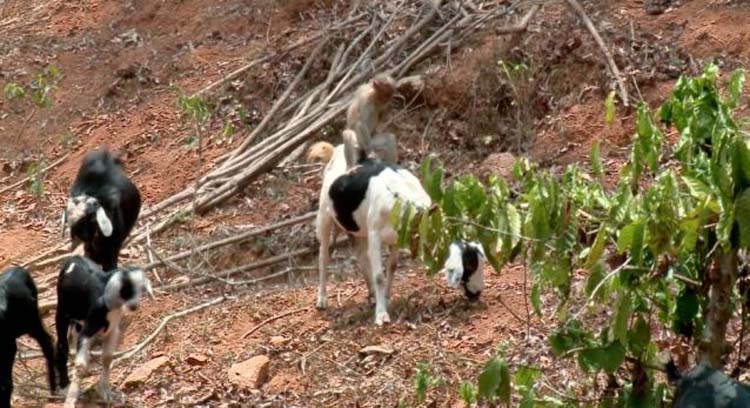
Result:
{"points": [[361, 184]]}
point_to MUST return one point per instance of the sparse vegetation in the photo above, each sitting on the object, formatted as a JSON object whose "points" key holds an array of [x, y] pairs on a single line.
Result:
{"points": [[650, 243]]}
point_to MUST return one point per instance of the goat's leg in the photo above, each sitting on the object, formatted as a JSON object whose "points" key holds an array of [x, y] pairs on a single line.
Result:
{"points": [[360, 247], [391, 270], [378, 278], [39, 333], [63, 348], [110, 345], [324, 236], [7, 355]]}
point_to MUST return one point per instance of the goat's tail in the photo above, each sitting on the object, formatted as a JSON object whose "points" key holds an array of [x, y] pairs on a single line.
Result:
{"points": [[320, 151]]}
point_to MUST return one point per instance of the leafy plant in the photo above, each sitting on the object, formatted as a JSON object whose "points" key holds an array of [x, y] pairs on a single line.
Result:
{"points": [[648, 243], [39, 89], [14, 91], [42, 86], [423, 380], [36, 180], [468, 393]]}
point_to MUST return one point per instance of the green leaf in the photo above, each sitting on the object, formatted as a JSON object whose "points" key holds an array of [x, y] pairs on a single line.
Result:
{"points": [[621, 317], [421, 382], [468, 393], [597, 249], [726, 222], [596, 160], [528, 399], [494, 381], [735, 86], [685, 312], [595, 277], [742, 214], [396, 215], [690, 231], [609, 106], [567, 338], [525, 376], [631, 238], [639, 336], [608, 358], [514, 222], [536, 301], [698, 189]]}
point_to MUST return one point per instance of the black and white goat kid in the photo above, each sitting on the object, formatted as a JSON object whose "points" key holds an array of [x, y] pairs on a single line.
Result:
{"points": [[19, 315], [91, 301], [359, 202], [705, 387], [464, 267], [102, 208]]}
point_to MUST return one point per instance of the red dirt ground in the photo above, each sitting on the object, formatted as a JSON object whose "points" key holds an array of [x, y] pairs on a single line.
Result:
{"points": [[122, 95]]}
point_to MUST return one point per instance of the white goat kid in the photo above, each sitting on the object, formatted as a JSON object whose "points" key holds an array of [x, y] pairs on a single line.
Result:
{"points": [[359, 202]]}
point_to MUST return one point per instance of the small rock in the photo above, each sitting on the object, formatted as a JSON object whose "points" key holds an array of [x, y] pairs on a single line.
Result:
{"points": [[142, 373], [281, 383], [250, 374], [277, 341], [498, 163], [197, 360]]}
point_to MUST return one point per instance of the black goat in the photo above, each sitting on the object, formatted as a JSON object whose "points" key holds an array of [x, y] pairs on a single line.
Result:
{"points": [[93, 301], [19, 315], [102, 208], [705, 387]]}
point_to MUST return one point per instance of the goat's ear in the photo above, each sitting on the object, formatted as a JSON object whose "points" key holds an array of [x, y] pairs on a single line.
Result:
{"points": [[105, 225]]}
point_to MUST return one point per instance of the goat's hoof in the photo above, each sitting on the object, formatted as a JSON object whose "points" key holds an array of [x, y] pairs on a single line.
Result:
{"points": [[382, 318], [322, 303]]}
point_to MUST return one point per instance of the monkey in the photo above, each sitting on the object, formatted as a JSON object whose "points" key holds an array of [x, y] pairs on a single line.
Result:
{"points": [[383, 145], [370, 104]]}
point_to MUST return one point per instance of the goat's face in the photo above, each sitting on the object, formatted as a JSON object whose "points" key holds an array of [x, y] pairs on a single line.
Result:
{"points": [[126, 287], [465, 267], [86, 218]]}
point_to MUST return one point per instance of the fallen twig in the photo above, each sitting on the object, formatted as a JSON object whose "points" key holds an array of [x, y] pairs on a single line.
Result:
{"points": [[271, 319], [140, 346]]}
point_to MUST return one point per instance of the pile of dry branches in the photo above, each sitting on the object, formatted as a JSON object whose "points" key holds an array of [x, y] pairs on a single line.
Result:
{"points": [[366, 42]]}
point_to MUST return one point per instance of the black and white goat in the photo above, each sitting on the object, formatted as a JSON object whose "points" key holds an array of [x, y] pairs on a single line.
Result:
{"points": [[19, 315], [359, 202], [92, 301], [102, 208], [464, 267], [706, 387]]}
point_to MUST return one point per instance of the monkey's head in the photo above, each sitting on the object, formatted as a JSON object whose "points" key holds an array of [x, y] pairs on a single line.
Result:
{"points": [[384, 86]]}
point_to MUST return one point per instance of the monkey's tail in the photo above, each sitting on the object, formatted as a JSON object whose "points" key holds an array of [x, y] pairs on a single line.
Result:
{"points": [[320, 151]]}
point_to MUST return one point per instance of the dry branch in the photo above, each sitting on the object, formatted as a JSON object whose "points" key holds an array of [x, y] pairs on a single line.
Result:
{"points": [[233, 239], [246, 268], [610, 61], [140, 346], [273, 319], [272, 112]]}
